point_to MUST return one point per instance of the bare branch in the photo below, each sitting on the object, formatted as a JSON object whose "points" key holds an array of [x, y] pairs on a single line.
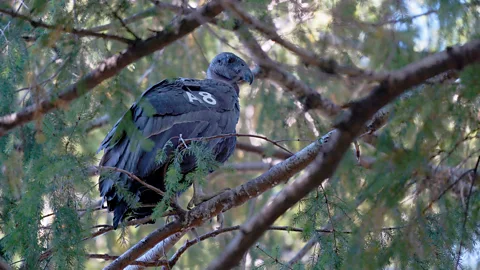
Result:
{"points": [[158, 251], [111, 66], [347, 129], [141, 264], [77, 32]]}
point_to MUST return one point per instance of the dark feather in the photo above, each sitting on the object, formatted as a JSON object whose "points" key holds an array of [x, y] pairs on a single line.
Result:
{"points": [[164, 112]]}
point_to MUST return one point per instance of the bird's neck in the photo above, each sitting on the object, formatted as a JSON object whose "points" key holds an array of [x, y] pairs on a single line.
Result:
{"points": [[214, 76]]}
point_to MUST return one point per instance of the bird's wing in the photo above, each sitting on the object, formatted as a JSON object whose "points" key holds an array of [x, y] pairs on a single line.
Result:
{"points": [[192, 108]]}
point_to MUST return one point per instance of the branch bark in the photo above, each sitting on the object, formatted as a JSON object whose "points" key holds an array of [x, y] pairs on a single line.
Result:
{"points": [[111, 66], [158, 251], [346, 130], [225, 201]]}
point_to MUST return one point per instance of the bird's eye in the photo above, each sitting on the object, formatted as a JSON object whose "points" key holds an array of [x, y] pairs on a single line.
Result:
{"points": [[231, 60]]}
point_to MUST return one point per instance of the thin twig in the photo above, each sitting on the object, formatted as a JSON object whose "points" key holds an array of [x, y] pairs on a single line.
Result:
{"points": [[134, 18], [446, 190], [330, 218], [124, 25], [133, 176], [78, 32], [262, 151], [240, 135], [465, 217], [275, 260]]}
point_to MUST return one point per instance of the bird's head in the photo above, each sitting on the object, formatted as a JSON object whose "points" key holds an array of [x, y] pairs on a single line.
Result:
{"points": [[230, 68]]}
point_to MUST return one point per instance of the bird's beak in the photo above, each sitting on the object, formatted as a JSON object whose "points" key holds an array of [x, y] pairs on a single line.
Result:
{"points": [[247, 76]]}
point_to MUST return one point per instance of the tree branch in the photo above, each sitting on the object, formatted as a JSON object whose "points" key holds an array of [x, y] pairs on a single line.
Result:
{"points": [[134, 18], [77, 32], [273, 71], [326, 65], [97, 123], [346, 130], [111, 66], [132, 176], [158, 251], [225, 201], [263, 151]]}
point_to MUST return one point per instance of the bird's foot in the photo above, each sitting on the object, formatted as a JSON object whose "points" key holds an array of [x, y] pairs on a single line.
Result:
{"points": [[178, 210], [220, 219], [200, 198]]}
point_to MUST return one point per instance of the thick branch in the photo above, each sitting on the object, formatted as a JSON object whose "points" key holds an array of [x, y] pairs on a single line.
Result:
{"points": [[111, 66], [77, 32], [347, 129], [224, 201]]}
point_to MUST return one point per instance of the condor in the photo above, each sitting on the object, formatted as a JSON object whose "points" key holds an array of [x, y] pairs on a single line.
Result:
{"points": [[167, 114]]}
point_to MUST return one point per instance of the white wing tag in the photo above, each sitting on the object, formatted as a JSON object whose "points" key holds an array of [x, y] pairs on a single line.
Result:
{"points": [[204, 97]]}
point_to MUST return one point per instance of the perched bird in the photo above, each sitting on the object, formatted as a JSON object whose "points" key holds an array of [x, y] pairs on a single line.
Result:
{"points": [[171, 110]]}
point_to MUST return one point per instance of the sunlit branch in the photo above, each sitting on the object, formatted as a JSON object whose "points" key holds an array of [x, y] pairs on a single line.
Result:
{"points": [[158, 251], [108, 257]]}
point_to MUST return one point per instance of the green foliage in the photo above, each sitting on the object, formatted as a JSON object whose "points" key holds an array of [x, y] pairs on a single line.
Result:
{"points": [[395, 213]]}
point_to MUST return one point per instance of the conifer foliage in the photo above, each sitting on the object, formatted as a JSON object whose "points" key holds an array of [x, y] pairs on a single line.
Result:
{"points": [[358, 143]]}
